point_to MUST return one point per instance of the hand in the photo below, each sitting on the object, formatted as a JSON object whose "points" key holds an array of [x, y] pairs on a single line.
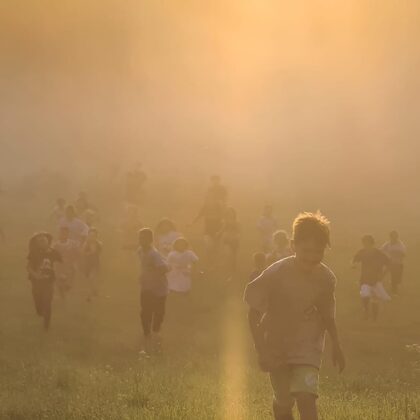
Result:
{"points": [[338, 358]]}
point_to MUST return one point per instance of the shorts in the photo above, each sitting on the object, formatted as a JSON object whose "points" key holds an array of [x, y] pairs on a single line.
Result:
{"points": [[288, 380], [375, 292]]}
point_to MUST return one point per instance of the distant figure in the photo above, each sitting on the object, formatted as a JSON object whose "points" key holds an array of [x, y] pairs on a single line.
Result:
{"points": [[78, 230], [373, 264], [90, 218], [154, 290], [66, 268], [297, 299], [59, 210], [165, 236], [135, 181], [230, 238], [267, 225], [281, 249], [213, 213], [396, 251], [41, 260], [181, 261], [91, 254], [129, 228], [260, 264], [217, 191], [82, 204]]}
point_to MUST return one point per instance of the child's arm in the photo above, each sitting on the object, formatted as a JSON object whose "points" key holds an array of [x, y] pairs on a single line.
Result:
{"points": [[256, 295], [327, 308], [338, 358]]}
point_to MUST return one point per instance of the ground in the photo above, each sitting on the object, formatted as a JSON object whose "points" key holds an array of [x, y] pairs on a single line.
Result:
{"points": [[88, 365]]}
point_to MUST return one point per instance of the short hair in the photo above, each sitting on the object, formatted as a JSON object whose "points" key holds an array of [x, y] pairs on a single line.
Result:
{"points": [[368, 239], [180, 242], [314, 226]]}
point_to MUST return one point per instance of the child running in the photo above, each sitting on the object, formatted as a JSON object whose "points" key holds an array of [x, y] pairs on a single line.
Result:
{"points": [[78, 230], [395, 250], [154, 290], [267, 225], [373, 264], [296, 296], [181, 261], [281, 249], [41, 260], [66, 269], [91, 253]]}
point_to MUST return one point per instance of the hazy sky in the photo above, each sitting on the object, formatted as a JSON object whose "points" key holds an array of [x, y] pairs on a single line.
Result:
{"points": [[325, 89]]}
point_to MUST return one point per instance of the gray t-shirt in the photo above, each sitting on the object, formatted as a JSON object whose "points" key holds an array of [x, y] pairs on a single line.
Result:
{"points": [[295, 305], [153, 272]]}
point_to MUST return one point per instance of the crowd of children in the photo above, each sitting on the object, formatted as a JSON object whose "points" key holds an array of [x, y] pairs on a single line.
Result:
{"points": [[290, 293]]}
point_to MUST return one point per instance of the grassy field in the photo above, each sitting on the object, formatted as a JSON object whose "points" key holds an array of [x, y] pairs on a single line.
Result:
{"points": [[88, 366]]}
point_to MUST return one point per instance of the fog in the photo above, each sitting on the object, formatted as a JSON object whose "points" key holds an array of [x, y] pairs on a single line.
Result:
{"points": [[312, 102]]}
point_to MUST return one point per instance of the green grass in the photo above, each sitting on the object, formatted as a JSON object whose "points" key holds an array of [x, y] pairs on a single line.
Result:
{"points": [[88, 366]]}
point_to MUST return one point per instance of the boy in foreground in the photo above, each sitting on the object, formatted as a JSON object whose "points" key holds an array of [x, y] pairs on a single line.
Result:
{"points": [[297, 299]]}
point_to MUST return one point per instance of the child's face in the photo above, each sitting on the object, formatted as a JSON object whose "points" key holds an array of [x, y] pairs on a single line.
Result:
{"points": [[309, 253], [70, 214], [64, 234], [367, 244], [281, 243], [42, 242], [394, 237], [145, 241], [260, 263], [181, 247]]}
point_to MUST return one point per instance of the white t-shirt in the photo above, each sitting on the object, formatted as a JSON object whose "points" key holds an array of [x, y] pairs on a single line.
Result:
{"points": [[69, 252], [180, 264], [395, 251], [78, 230], [164, 242]]}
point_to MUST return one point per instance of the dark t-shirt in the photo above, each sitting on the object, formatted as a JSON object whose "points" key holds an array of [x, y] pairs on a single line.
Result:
{"points": [[218, 193], [42, 261], [373, 263]]}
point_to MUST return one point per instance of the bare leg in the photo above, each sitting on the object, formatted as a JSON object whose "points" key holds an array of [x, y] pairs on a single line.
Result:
{"points": [[281, 414], [306, 403]]}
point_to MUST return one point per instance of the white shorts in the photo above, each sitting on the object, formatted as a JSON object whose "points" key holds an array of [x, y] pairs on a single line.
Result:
{"points": [[377, 292]]}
